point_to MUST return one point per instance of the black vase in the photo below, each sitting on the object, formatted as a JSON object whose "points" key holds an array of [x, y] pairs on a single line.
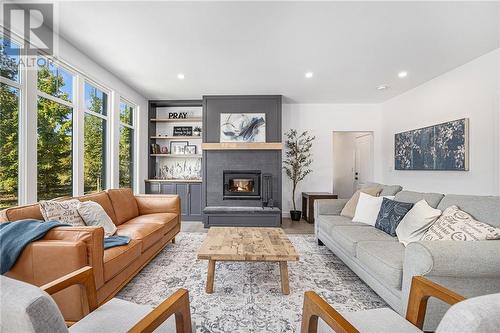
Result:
{"points": [[295, 215]]}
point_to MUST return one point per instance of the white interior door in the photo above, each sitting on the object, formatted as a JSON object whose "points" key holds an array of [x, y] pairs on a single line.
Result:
{"points": [[363, 160]]}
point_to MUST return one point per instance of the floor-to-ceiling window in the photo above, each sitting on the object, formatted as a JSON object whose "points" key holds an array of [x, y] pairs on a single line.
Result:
{"points": [[96, 116], [126, 149], [10, 92], [56, 126], [55, 130]]}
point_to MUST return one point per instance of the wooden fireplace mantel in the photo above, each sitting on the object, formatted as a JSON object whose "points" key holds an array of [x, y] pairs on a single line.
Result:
{"points": [[242, 146]]}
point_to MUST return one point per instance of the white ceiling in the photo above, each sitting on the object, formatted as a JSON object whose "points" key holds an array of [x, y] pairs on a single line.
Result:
{"points": [[266, 47]]}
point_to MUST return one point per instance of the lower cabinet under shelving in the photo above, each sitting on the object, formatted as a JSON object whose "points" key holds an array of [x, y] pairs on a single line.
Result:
{"points": [[189, 193]]}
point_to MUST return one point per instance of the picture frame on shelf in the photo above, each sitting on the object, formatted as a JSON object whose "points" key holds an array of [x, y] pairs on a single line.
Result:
{"points": [[178, 147], [183, 131], [190, 149]]}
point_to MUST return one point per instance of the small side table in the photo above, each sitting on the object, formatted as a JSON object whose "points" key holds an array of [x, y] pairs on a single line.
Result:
{"points": [[308, 203]]}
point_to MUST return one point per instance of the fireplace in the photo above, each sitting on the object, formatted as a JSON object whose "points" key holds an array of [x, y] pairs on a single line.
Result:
{"points": [[242, 184]]}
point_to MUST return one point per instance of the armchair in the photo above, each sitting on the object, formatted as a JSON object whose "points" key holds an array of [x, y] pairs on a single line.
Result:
{"points": [[479, 314], [30, 309]]}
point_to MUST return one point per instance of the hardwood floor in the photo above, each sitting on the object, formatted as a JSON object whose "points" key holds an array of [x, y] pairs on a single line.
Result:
{"points": [[289, 226]]}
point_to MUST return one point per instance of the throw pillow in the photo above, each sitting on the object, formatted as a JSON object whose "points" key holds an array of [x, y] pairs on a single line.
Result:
{"points": [[94, 215], [416, 222], [368, 208], [62, 211], [455, 224], [390, 214], [350, 207]]}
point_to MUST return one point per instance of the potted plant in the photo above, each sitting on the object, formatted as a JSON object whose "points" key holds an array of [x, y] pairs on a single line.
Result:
{"points": [[297, 162]]}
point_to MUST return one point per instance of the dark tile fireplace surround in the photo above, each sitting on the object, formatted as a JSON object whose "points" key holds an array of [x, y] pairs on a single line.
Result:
{"points": [[241, 187]]}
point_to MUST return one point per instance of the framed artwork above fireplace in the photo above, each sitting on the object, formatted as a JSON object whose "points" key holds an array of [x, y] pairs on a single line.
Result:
{"points": [[242, 127]]}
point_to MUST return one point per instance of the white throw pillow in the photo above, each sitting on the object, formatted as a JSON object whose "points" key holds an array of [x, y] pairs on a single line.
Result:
{"points": [[62, 211], [94, 215], [416, 222], [368, 208], [455, 224]]}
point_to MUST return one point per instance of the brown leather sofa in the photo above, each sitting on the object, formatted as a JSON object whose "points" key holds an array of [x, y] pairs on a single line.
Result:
{"points": [[151, 221]]}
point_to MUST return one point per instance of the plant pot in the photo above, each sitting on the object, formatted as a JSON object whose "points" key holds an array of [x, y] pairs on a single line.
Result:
{"points": [[295, 215]]}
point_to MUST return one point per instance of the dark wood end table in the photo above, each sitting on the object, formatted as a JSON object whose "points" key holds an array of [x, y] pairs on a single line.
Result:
{"points": [[308, 203]]}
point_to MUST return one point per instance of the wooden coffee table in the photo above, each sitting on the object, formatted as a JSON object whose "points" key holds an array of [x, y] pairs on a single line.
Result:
{"points": [[247, 244]]}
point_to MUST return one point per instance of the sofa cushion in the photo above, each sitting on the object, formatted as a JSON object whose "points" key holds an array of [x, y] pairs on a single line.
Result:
{"points": [[117, 258], [94, 215], [23, 212], [124, 204], [102, 199], [350, 207], [386, 190], [476, 315], [26, 308], [390, 214], [118, 315], [169, 220], [379, 320], [383, 259], [368, 209], [348, 237], [327, 222], [455, 224], [416, 222], [483, 208], [432, 199], [62, 211], [147, 233]]}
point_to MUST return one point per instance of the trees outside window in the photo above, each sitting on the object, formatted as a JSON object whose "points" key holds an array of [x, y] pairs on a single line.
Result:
{"points": [[55, 131], [96, 106], [49, 136], [126, 149], [10, 91]]}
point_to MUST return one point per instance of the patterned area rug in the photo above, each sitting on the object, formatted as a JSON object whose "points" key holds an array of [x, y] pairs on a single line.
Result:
{"points": [[247, 296]]}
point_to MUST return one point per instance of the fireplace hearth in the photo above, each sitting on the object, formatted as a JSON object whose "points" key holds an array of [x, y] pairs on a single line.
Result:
{"points": [[242, 184]]}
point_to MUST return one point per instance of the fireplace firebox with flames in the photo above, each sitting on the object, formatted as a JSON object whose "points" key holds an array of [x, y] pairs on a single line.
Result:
{"points": [[242, 184]]}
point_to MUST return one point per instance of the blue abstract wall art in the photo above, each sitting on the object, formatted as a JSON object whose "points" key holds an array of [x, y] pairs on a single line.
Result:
{"points": [[438, 147], [242, 127]]}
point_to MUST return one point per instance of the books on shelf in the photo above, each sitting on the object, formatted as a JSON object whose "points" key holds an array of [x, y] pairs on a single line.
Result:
{"points": [[155, 148]]}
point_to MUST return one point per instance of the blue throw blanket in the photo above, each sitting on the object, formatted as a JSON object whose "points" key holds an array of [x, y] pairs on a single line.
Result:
{"points": [[113, 241], [15, 236]]}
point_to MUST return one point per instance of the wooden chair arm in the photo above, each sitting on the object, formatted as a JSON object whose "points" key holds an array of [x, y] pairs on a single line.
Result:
{"points": [[178, 304], [315, 307], [84, 277], [421, 290]]}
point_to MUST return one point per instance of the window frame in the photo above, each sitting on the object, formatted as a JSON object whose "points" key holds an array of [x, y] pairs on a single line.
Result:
{"points": [[109, 123], [133, 127], [74, 115], [27, 85]]}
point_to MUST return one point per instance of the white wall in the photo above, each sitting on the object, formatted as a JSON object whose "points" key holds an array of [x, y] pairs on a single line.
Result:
{"points": [[470, 91], [321, 120]]}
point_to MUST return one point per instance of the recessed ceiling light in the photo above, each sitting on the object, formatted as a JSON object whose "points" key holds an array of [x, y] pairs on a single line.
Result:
{"points": [[180, 76], [309, 75], [403, 74], [382, 87]]}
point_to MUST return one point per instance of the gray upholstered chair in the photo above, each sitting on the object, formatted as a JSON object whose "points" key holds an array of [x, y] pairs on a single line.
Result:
{"points": [[475, 315], [27, 308]]}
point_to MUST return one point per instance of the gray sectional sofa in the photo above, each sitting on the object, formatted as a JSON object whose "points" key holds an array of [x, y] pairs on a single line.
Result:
{"points": [[469, 268]]}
